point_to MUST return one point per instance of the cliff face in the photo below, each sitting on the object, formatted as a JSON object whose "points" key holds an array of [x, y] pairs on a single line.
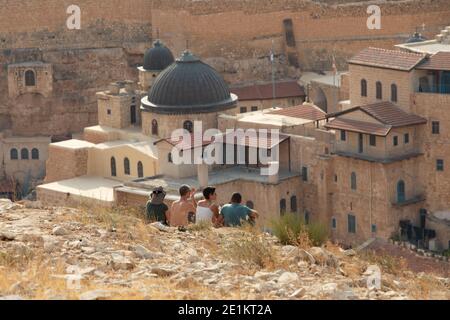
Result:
{"points": [[93, 253], [235, 36]]}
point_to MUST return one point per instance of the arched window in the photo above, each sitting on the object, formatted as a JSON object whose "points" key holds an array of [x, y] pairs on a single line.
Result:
{"points": [[283, 207], [189, 126], [250, 204], [35, 154], [140, 169], [14, 154], [30, 78], [363, 88], [24, 154], [113, 167], [293, 204], [353, 181], [401, 197], [394, 93], [126, 166], [154, 127], [379, 89]]}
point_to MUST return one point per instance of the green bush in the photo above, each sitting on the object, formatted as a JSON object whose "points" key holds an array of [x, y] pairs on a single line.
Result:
{"points": [[291, 229]]}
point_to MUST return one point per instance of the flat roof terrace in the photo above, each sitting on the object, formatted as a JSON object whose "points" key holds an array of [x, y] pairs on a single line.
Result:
{"points": [[216, 177]]}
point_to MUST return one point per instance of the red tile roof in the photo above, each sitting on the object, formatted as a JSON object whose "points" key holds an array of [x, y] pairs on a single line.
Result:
{"points": [[306, 111], [438, 61], [388, 59], [262, 141], [283, 89], [358, 126], [389, 115]]}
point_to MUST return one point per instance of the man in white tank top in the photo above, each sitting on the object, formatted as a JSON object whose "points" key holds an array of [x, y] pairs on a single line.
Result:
{"points": [[207, 209]]}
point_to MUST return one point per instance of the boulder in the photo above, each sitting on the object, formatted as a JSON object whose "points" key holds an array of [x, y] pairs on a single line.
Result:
{"points": [[119, 262], [288, 278], [143, 253], [60, 231]]}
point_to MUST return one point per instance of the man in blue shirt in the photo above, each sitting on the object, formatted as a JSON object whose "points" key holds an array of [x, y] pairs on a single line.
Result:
{"points": [[234, 213]]}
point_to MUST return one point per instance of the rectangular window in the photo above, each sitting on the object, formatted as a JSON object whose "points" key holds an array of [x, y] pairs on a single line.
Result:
{"points": [[343, 135], [395, 141], [243, 109], [351, 224], [305, 173], [373, 140], [254, 109], [435, 127], [374, 228], [109, 112], [406, 138], [440, 165]]}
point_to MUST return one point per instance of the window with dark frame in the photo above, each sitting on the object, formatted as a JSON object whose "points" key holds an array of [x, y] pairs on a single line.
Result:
{"points": [[435, 127], [395, 141], [394, 97], [14, 154], [379, 90], [305, 174], [363, 88], [351, 223], [126, 166], [373, 140], [440, 165], [406, 138], [343, 135], [243, 109]]}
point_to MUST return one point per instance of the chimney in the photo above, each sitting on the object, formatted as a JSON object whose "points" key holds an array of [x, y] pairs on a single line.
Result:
{"points": [[203, 175]]}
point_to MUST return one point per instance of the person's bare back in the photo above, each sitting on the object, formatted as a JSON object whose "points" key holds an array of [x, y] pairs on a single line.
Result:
{"points": [[181, 209]]}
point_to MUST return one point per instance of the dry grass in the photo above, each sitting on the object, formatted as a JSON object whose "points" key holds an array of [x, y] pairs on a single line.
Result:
{"points": [[387, 263], [251, 249]]}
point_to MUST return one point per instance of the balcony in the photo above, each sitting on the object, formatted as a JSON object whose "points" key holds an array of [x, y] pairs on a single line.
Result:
{"points": [[381, 159], [407, 202]]}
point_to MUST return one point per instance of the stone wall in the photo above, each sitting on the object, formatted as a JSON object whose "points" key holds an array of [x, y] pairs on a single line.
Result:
{"points": [[66, 163]]}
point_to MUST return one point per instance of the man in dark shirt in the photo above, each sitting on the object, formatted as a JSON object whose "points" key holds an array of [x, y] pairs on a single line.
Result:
{"points": [[157, 210]]}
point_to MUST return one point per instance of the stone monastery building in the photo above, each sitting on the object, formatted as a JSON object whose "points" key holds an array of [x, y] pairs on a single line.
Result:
{"points": [[378, 167]]}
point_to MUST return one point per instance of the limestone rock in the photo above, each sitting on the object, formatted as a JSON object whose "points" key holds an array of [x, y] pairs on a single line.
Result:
{"points": [[298, 293], [119, 262], [287, 278], [143, 253], [164, 271], [96, 295], [60, 231]]}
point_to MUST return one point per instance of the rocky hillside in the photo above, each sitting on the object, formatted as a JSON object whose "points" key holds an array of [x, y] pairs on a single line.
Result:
{"points": [[60, 253]]}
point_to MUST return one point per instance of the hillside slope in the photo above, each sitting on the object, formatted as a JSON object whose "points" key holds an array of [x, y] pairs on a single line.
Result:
{"points": [[61, 253]]}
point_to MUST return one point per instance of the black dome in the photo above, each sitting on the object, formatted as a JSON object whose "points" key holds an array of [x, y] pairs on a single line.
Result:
{"points": [[189, 86], [158, 58]]}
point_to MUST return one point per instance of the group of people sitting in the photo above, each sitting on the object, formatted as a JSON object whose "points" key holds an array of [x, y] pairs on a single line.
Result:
{"points": [[187, 211]]}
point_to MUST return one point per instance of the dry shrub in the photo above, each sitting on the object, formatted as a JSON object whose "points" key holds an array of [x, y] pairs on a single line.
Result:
{"points": [[201, 226], [291, 229], [251, 249], [386, 262]]}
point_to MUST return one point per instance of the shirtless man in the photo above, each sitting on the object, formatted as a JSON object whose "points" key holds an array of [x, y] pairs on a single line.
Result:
{"points": [[182, 209]]}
